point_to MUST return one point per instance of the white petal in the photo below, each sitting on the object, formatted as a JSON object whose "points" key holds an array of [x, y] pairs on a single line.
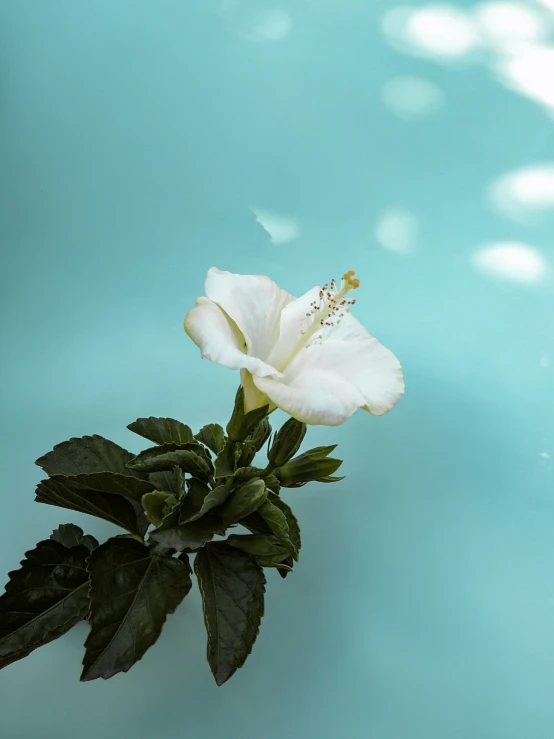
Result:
{"points": [[220, 340], [294, 320], [254, 302], [326, 383]]}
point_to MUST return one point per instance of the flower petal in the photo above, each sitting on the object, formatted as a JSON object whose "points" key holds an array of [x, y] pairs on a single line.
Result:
{"points": [[326, 383], [254, 302], [220, 340], [295, 321]]}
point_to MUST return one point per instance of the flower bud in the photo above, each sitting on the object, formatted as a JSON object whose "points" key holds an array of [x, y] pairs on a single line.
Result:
{"points": [[312, 466], [287, 442]]}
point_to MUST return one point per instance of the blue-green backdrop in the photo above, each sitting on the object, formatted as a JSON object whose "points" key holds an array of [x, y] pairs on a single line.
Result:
{"points": [[138, 141]]}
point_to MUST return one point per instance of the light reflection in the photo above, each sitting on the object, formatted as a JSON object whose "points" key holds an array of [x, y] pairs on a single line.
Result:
{"points": [[282, 229], [513, 40], [245, 18], [434, 31], [398, 231], [545, 362], [412, 98], [528, 70], [525, 195], [513, 261], [506, 23]]}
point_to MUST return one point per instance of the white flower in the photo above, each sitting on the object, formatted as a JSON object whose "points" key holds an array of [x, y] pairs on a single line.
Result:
{"points": [[308, 356]]}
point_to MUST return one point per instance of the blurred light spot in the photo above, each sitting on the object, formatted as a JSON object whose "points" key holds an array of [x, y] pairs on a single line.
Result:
{"points": [[528, 70], [548, 4], [525, 194], [512, 261], [411, 97], [545, 362], [544, 455], [398, 231], [282, 229], [245, 18], [506, 23], [434, 31]]}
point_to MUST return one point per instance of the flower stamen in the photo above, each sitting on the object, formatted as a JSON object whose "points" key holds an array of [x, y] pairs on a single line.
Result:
{"points": [[325, 314]]}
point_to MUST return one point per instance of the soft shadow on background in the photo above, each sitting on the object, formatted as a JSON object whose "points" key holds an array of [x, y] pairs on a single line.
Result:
{"points": [[143, 142]]}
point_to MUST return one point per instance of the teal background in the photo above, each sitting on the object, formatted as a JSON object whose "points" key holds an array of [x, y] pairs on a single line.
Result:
{"points": [[135, 136]]}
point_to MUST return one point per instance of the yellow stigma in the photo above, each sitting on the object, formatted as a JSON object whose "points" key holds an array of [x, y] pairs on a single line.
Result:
{"points": [[351, 281]]}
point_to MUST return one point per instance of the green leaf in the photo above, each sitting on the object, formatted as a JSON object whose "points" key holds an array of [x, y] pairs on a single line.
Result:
{"points": [[114, 508], [256, 524], [114, 483], [285, 567], [294, 526], [226, 461], [131, 594], [232, 586], [276, 521], [162, 430], [267, 550], [213, 498], [158, 506], [70, 535], [190, 536], [260, 434], [43, 599], [158, 459], [86, 455], [243, 474], [213, 436], [243, 501], [272, 483], [170, 482]]}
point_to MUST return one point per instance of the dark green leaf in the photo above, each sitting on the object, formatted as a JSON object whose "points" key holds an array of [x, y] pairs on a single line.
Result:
{"points": [[158, 459], [213, 436], [131, 594], [114, 483], [43, 599], [190, 536], [267, 550], [114, 508], [186, 561], [243, 474], [232, 587], [72, 536], [331, 478], [169, 482], [158, 505], [285, 567], [294, 527], [226, 461], [256, 524], [243, 501], [86, 455], [162, 430], [190, 512], [272, 483], [276, 520]]}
